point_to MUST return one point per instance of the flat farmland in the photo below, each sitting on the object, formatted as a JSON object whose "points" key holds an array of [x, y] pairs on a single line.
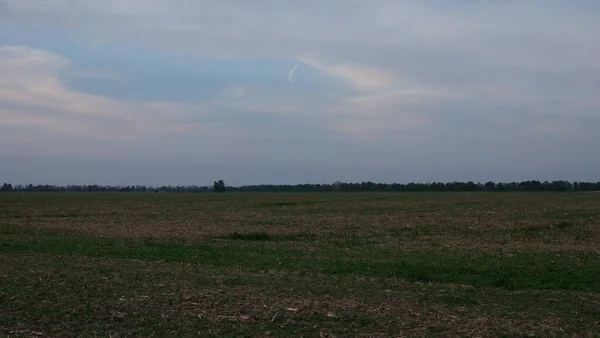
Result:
{"points": [[291, 265]]}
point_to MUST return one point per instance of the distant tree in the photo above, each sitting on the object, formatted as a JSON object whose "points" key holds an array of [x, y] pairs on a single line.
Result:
{"points": [[490, 185], [219, 186], [470, 186]]}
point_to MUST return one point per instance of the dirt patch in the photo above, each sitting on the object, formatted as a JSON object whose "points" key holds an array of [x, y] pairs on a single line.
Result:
{"points": [[59, 297], [392, 220]]}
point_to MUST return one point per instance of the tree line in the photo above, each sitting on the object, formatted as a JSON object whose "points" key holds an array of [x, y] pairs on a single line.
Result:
{"points": [[219, 186]]}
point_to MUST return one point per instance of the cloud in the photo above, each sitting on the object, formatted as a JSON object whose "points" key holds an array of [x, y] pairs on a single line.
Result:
{"points": [[40, 114], [93, 74], [236, 92], [363, 78], [372, 46], [291, 73], [500, 78], [331, 27], [385, 101], [33, 97]]}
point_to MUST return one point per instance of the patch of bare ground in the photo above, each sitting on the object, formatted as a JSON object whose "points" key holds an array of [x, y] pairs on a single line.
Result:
{"points": [[70, 296], [547, 222], [59, 296]]}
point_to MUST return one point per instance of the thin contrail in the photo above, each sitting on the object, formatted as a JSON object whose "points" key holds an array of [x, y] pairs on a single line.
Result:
{"points": [[291, 74]]}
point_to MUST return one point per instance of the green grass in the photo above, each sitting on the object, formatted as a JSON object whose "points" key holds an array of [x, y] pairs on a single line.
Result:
{"points": [[510, 270], [254, 236], [411, 231], [229, 265], [563, 225], [291, 203], [261, 236], [162, 298]]}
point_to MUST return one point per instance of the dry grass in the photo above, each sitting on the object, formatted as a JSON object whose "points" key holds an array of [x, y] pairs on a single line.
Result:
{"points": [[299, 265], [89, 297], [515, 221]]}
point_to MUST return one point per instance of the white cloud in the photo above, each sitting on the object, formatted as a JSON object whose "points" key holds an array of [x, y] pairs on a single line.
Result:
{"points": [[443, 70], [478, 29], [373, 45], [236, 92], [363, 78], [386, 101], [32, 96]]}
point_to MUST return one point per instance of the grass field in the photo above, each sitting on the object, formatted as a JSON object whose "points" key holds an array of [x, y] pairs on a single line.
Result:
{"points": [[311, 265]]}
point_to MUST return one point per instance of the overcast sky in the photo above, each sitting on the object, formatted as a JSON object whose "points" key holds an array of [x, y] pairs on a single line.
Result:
{"points": [[282, 91]]}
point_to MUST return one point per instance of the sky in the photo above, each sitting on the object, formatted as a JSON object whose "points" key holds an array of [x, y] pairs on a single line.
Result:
{"points": [[186, 92]]}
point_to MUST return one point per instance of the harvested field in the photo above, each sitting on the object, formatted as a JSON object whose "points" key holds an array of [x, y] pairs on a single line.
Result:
{"points": [[291, 265]]}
